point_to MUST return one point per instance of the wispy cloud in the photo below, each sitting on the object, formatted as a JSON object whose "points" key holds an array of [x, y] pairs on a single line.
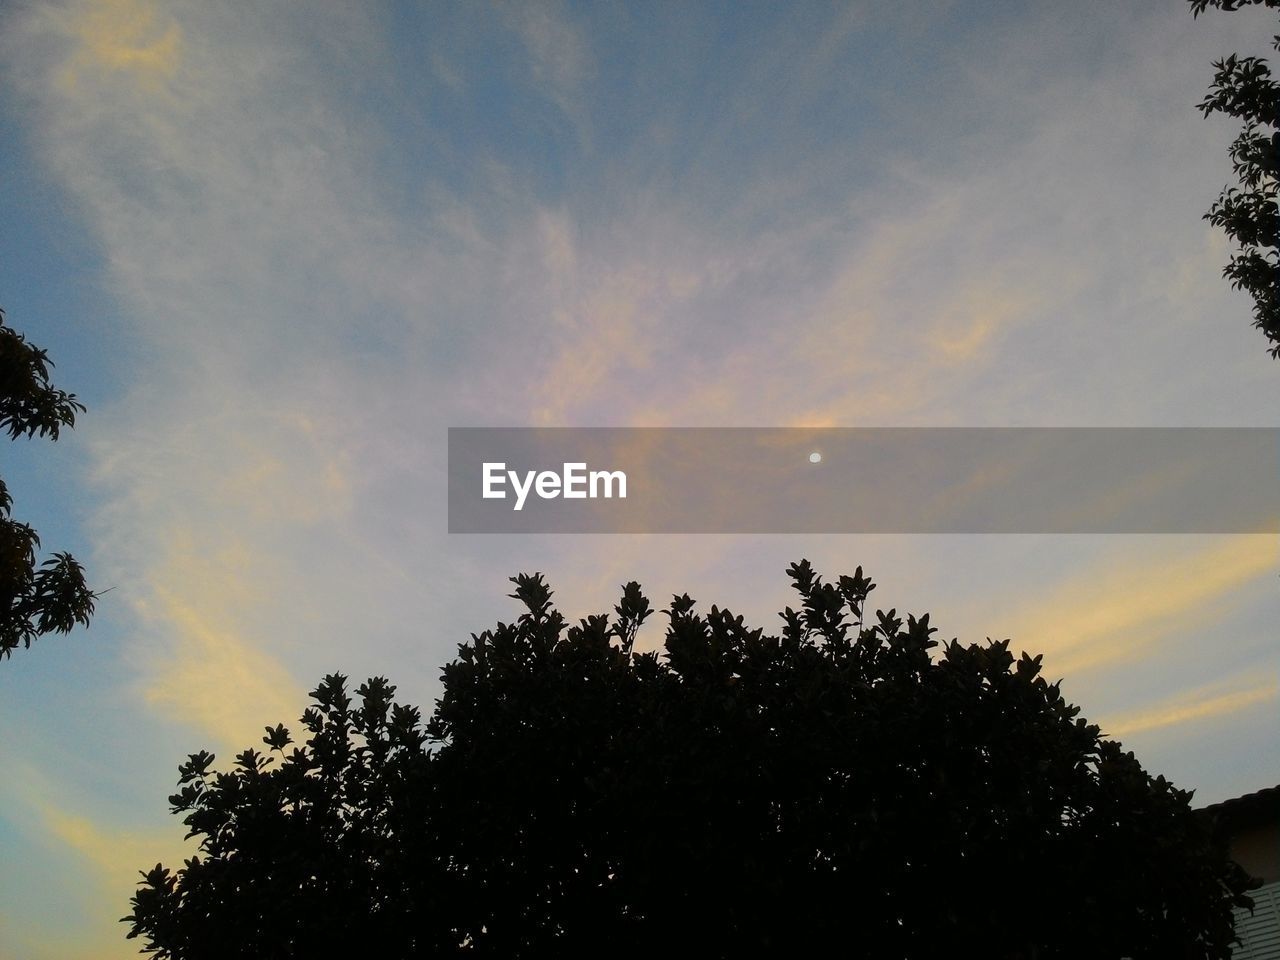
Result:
{"points": [[1121, 610], [107, 859], [559, 55], [130, 36], [1205, 703]]}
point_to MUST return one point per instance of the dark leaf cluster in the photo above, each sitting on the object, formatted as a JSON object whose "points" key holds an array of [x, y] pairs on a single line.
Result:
{"points": [[847, 784], [1244, 89], [35, 598], [29, 403]]}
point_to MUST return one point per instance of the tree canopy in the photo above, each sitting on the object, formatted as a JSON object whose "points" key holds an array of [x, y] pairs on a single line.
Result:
{"points": [[35, 598], [841, 783], [1243, 88]]}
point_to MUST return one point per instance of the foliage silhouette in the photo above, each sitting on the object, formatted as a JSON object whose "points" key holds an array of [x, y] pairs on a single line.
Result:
{"points": [[35, 599], [843, 785], [1243, 88]]}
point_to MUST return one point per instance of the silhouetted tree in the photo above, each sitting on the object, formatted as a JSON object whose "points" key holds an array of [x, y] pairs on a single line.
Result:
{"points": [[35, 599], [841, 786], [1243, 88]]}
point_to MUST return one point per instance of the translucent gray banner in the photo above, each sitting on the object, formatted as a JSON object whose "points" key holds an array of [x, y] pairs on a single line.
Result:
{"points": [[864, 480]]}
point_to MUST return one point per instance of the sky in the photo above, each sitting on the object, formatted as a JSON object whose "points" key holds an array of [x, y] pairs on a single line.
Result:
{"points": [[278, 249]]}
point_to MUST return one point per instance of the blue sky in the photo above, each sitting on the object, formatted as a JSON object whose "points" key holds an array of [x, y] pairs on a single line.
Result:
{"points": [[278, 250]]}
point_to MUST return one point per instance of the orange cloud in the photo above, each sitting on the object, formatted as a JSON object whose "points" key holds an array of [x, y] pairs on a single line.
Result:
{"points": [[1201, 704], [124, 36], [213, 670], [1117, 613]]}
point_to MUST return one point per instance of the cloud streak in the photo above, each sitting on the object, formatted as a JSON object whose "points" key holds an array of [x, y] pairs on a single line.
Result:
{"points": [[1206, 703], [1122, 611]]}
